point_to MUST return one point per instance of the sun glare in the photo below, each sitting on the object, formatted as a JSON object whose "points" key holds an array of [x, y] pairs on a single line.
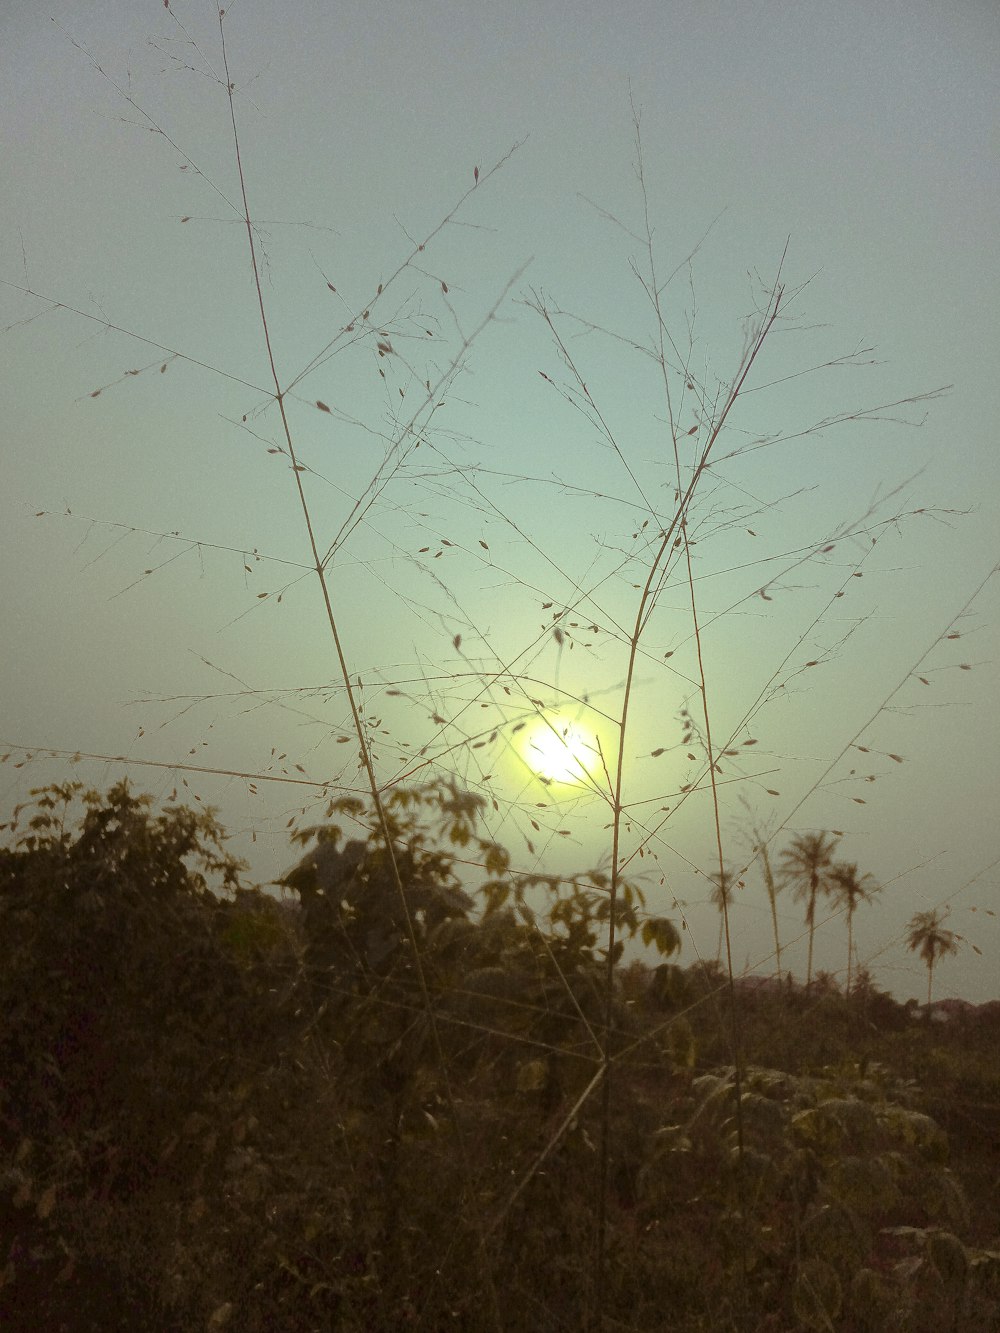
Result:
{"points": [[562, 752]]}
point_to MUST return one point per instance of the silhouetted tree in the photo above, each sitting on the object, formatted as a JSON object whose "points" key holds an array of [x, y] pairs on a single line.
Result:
{"points": [[805, 865], [722, 897], [759, 840], [926, 935], [849, 889]]}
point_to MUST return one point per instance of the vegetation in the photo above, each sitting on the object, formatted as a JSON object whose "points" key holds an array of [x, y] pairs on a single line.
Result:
{"points": [[760, 851], [721, 896], [806, 866], [929, 937], [849, 888], [426, 1083], [225, 1109]]}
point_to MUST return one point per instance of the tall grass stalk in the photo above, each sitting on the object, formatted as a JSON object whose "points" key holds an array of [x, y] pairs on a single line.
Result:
{"points": [[501, 687]]}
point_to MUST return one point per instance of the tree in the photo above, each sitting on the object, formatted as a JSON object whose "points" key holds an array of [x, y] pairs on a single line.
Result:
{"points": [[805, 867], [116, 957], [848, 889], [722, 897], [927, 936], [760, 838], [773, 888], [138, 983]]}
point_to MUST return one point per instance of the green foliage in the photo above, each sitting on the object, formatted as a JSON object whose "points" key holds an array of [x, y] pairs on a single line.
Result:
{"points": [[118, 918], [826, 1168], [343, 1109], [136, 972], [818, 1295], [662, 933]]}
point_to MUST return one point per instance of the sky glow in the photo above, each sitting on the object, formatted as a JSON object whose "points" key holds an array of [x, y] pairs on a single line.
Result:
{"points": [[486, 440], [562, 752]]}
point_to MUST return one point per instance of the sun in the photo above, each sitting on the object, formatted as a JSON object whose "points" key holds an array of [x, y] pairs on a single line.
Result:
{"points": [[561, 752]]}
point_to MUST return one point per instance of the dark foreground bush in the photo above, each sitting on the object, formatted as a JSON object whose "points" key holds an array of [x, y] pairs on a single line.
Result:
{"points": [[380, 1104]]}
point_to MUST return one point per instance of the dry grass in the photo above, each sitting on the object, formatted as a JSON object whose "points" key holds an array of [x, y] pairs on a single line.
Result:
{"points": [[638, 604]]}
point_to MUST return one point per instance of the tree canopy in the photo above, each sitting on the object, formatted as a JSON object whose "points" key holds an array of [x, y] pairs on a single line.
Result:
{"points": [[369, 1102]]}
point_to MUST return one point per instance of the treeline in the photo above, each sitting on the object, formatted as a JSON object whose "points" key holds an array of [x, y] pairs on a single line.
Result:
{"points": [[382, 1101]]}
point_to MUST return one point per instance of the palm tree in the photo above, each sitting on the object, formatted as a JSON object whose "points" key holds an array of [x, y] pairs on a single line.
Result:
{"points": [[849, 889], [928, 937], [773, 889], [805, 867], [760, 837], [722, 896]]}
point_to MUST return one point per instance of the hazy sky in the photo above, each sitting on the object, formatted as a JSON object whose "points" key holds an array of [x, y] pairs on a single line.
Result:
{"points": [[864, 139]]}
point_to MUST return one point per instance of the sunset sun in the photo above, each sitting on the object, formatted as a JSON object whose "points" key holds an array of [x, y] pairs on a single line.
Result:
{"points": [[561, 752]]}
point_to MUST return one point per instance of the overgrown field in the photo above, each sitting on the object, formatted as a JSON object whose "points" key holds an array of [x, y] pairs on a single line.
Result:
{"points": [[221, 1109]]}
